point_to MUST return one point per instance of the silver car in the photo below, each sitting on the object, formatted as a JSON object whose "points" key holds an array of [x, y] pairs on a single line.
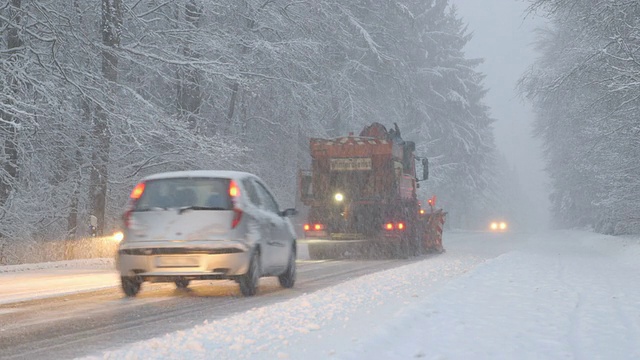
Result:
{"points": [[197, 225]]}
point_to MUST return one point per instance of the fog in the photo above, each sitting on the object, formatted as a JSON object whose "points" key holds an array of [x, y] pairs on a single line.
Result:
{"points": [[503, 35]]}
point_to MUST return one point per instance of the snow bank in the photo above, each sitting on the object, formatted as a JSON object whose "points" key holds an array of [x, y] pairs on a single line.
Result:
{"points": [[100, 263]]}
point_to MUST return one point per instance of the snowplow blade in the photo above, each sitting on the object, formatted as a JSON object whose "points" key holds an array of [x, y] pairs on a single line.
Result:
{"points": [[432, 237], [324, 249]]}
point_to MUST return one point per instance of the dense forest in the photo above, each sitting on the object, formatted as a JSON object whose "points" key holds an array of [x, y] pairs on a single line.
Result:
{"points": [[585, 91], [95, 94]]}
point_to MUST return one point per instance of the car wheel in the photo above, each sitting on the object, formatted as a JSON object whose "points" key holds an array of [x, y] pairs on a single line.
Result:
{"points": [[130, 285], [288, 278], [249, 281], [182, 283]]}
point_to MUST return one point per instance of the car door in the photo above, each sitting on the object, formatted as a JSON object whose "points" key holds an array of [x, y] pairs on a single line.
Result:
{"points": [[262, 219], [280, 243]]}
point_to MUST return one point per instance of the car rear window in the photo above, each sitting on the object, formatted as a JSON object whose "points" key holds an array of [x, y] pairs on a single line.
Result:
{"points": [[185, 192]]}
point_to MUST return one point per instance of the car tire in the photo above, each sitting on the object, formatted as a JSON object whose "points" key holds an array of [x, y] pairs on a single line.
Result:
{"points": [[288, 278], [130, 285], [249, 281], [182, 283]]}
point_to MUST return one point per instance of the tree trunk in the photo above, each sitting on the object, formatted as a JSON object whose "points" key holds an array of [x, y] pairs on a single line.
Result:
{"points": [[9, 123], [189, 80], [111, 30], [72, 218]]}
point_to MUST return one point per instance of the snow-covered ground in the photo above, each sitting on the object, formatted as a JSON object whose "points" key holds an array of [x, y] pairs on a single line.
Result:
{"points": [[558, 295], [561, 295], [43, 280]]}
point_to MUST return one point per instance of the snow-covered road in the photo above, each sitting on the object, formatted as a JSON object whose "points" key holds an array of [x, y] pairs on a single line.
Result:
{"points": [[39, 281], [559, 295]]}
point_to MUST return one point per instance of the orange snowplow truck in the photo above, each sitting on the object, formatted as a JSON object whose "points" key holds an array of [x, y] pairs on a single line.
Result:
{"points": [[361, 194]]}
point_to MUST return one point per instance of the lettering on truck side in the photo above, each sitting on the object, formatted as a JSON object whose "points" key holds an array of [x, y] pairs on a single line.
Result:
{"points": [[350, 164]]}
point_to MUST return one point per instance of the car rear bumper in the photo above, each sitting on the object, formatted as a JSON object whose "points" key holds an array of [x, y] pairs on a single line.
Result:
{"points": [[166, 263]]}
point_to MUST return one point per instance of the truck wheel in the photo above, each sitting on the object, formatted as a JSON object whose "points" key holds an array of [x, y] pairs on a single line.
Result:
{"points": [[249, 281], [414, 246], [288, 278], [130, 285], [403, 249]]}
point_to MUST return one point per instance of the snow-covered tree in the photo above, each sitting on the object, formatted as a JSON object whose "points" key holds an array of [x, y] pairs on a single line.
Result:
{"points": [[96, 94], [584, 88]]}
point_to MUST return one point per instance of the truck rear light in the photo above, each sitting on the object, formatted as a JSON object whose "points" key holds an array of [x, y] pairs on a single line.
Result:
{"points": [[307, 227], [318, 227], [395, 226]]}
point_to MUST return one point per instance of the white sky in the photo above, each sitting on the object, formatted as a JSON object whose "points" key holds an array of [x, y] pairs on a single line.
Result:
{"points": [[555, 295], [504, 39]]}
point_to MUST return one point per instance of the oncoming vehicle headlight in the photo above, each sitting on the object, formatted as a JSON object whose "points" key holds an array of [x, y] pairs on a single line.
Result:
{"points": [[494, 226], [503, 225], [338, 197]]}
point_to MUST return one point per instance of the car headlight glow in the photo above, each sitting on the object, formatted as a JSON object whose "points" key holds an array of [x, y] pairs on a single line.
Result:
{"points": [[338, 197], [118, 236], [494, 226], [503, 225]]}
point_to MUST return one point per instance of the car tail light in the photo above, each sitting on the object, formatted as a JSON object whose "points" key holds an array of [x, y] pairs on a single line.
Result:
{"points": [[318, 227], [126, 218], [307, 227], [400, 226], [388, 226], [237, 216], [234, 190], [137, 191]]}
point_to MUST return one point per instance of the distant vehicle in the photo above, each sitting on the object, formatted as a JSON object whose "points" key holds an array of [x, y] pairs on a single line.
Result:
{"points": [[498, 226], [203, 225]]}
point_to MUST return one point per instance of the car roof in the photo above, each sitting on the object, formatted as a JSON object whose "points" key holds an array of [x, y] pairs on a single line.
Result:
{"points": [[227, 174]]}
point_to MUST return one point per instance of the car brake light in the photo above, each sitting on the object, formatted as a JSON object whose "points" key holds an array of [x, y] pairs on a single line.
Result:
{"points": [[127, 218], [137, 191], [400, 226], [318, 227], [388, 226], [307, 227], [237, 216], [234, 191]]}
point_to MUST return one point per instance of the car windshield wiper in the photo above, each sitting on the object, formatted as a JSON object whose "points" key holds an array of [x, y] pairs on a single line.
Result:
{"points": [[194, 207]]}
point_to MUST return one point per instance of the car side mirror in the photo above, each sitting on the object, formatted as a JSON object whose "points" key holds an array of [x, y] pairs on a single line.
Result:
{"points": [[425, 169], [289, 212]]}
